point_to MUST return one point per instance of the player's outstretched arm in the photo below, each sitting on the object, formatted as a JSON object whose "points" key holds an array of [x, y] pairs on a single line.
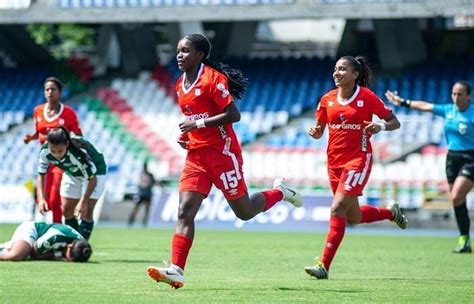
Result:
{"points": [[419, 105]]}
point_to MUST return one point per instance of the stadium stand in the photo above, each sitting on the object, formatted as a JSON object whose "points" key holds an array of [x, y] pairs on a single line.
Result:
{"points": [[105, 4], [15, 4], [20, 91], [134, 120]]}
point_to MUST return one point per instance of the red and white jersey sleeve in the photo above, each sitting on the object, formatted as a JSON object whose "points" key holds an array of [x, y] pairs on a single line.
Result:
{"points": [[66, 118], [206, 97], [321, 115], [348, 140]]}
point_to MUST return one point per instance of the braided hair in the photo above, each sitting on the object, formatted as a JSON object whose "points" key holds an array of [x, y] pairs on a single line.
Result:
{"points": [[360, 65], [237, 81]]}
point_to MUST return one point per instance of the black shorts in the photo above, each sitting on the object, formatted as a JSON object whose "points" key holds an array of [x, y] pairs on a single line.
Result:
{"points": [[459, 163], [138, 199]]}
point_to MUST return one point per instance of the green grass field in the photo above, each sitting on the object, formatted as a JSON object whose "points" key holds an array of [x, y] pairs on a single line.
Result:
{"points": [[247, 267]]}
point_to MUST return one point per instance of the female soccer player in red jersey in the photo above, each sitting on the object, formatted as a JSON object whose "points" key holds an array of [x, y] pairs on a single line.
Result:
{"points": [[347, 112], [205, 95], [49, 115]]}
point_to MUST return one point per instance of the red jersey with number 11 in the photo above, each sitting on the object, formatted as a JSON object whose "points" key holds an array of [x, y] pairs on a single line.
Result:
{"points": [[348, 139]]}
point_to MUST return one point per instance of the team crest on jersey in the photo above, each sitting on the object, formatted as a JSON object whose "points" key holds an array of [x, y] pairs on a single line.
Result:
{"points": [[360, 103], [221, 87], [61, 121], [331, 103], [188, 110], [462, 128], [342, 117], [197, 92]]}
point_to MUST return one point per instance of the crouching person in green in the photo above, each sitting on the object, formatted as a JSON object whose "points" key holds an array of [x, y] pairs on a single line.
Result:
{"points": [[83, 180], [41, 241]]}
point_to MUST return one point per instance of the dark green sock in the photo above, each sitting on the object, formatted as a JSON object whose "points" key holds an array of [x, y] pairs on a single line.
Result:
{"points": [[72, 222], [85, 228]]}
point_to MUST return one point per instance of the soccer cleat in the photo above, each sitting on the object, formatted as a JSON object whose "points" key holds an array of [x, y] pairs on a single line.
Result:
{"points": [[318, 271], [464, 245], [398, 217], [290, 195], [171, 274]]}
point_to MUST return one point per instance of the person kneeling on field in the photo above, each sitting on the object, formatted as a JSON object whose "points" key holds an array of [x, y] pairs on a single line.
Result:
{"points": [[42, 241]]}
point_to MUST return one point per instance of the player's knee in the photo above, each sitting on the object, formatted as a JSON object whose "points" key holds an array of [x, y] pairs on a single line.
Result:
{"points": [[458, 199], [67, 209], [90, 210], [185, 215], [244, 216], [353, 220], [338, 210]]}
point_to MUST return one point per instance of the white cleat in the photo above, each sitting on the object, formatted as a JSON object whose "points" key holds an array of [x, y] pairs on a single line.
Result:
{"points": [[290, 195], [172, 275], [398, 217], [318, 271]]}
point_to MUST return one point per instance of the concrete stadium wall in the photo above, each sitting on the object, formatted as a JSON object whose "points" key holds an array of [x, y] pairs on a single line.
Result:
{"points": [[46, 12]]}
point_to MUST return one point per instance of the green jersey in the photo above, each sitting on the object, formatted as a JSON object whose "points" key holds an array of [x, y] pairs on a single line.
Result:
{"points": [[54, 237], [74, 163]]}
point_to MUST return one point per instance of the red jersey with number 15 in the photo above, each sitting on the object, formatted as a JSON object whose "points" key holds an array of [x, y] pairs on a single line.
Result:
{"points": [[345, 120], [206, 97], [66, 117]]}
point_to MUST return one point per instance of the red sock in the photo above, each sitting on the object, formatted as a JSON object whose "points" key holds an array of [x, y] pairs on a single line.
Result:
{"points": [[272, 197], [54, 204], [180, 249], [337, 227], [373, 214]]}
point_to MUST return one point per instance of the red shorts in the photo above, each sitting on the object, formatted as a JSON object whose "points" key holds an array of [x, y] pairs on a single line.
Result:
{"points": [[204, 167], [351, 178]]}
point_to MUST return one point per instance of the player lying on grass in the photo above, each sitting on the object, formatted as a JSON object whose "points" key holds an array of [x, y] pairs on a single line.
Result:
{"points": [[42, 241]]}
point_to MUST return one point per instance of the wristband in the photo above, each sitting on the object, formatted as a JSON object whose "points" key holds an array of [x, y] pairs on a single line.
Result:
{"points": [[382, 126], [405, 103], [200, 123]]}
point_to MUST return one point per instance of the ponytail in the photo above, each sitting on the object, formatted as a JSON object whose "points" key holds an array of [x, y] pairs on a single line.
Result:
{"points": [[360, 65], [237, 81]]}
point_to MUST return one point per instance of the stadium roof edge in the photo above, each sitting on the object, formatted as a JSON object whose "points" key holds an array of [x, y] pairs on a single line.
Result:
{"points": [[40, 13]]}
